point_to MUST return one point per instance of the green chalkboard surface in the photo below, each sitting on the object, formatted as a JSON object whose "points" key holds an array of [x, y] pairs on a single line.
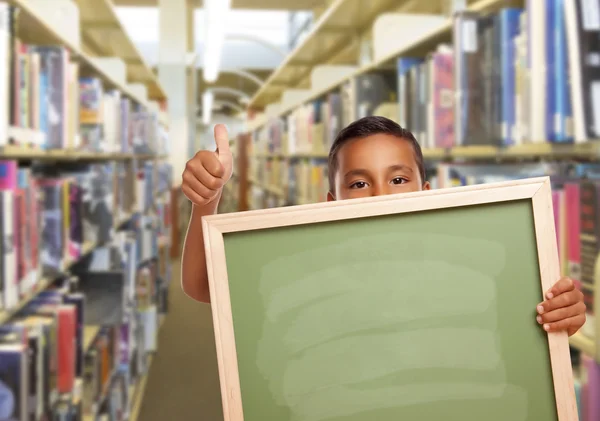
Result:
{"points": [[414, 316]]}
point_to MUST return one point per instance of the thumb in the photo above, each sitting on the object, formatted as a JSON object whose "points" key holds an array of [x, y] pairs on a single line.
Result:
{"points": [[222, 140]]}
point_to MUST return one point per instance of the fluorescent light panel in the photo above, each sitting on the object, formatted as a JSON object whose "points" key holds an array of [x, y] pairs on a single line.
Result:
{"points": [[215, 20], [207, 104]]}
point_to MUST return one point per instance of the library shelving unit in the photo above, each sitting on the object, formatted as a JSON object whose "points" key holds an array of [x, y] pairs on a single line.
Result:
{"points": [[104, 35], [85, 226], [283, 162]]}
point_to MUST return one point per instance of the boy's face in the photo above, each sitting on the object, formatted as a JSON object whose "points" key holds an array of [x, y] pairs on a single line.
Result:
{"points": [[374, 166]]}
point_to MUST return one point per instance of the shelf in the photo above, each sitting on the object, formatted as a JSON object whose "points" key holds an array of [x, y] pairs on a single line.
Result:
{"points": [[59, 155], [273, 189], [336, 29], [90, 332], [290, 156], [44, 283], [148, 157], [584, 344], [104, 34], [26, 153], [588, 150], [276, 84], [137, 390], [124, 219], [6, 315], [35, 29]]}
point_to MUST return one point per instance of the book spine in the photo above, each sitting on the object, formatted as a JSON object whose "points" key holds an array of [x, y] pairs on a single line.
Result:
{"points": [[562, 121], [590, 245], [537, 12], [592, 403], [582, 20], [24, 86], [5, 60], [9, 257], [510, 29], [8, 175], [572, 199], [66, 350], [551, 57]]}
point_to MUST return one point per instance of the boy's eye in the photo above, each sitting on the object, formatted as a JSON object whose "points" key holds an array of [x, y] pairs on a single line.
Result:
{"points": [[358, 185], [399, 180]]}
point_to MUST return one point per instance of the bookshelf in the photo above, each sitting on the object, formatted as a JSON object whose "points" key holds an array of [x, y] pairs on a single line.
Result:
{"points": [[43, 284], [34, 28], [335, 33], [271, 92], [83, 172], [104, 35]]}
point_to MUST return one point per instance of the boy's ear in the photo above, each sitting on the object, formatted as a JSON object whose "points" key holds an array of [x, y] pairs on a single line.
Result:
{"points": [[330, 197], [426, 186]]}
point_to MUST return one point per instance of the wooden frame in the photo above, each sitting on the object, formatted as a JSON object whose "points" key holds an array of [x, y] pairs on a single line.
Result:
{"points": [[537, 190]]}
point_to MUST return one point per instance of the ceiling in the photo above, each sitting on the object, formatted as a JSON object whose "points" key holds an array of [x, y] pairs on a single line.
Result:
{"points": [[241, 4], [233, 81]]}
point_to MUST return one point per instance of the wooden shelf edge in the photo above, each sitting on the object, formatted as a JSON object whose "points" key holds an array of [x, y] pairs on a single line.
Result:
{"points": [[289, 57], [587, 150], [18, 152], [90, 332], [45, 282]]}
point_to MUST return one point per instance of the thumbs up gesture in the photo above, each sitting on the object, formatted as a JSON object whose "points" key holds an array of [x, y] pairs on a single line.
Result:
{"points": [[207, 172]]}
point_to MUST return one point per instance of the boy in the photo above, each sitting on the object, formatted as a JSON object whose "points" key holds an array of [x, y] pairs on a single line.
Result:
{"points": [[371, 157]]}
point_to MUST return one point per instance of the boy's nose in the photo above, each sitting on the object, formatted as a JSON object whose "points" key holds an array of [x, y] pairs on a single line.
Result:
{"points": [[380, 190]]}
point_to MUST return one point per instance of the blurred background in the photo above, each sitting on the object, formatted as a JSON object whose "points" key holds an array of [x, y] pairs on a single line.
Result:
{"points": [[102, 102]]}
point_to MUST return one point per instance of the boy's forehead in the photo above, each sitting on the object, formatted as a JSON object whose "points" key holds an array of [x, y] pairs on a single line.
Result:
{"points": [[376, 149]]}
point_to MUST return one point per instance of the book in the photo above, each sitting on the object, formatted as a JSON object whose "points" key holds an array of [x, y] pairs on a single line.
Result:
{"points": [[573, 218], [90, 101], [590, 247], [52, 244], [13, 381], [509, 30], [78, 301], [54, 62], [442, 80], [5, 56], [76, 232], [9, 291], [582, 22]]}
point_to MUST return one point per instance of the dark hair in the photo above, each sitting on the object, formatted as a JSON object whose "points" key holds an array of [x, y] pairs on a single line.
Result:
{"points": [[369, 126]]}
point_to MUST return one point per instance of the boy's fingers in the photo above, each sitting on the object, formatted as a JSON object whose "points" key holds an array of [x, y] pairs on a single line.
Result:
{"points": [[562, 286], [198, 187], [563, 300], [222, 139], [571, 325], [210, 164], [562, 313], [201, 172], [192, 195]]}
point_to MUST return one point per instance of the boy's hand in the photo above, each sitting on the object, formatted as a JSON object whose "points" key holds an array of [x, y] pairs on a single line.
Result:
{"points": [[207, 172], [563, 308]]}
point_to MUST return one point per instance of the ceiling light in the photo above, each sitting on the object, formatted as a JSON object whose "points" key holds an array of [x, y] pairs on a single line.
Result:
{"points": [[207, 105], [215, 20]]}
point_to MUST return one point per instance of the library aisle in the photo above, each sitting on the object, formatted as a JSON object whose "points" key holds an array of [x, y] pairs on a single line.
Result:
{"points": [[104, 102], [183, 381]]}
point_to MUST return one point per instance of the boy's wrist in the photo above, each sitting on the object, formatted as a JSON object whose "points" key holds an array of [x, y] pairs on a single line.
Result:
{"points": [[208, 208]]}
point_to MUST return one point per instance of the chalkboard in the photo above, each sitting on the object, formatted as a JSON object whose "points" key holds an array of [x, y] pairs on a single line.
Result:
{"points": [[418, 306]]}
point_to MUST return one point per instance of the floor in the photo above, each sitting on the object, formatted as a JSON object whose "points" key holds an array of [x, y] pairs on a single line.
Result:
{"points": [[183, 382]]}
